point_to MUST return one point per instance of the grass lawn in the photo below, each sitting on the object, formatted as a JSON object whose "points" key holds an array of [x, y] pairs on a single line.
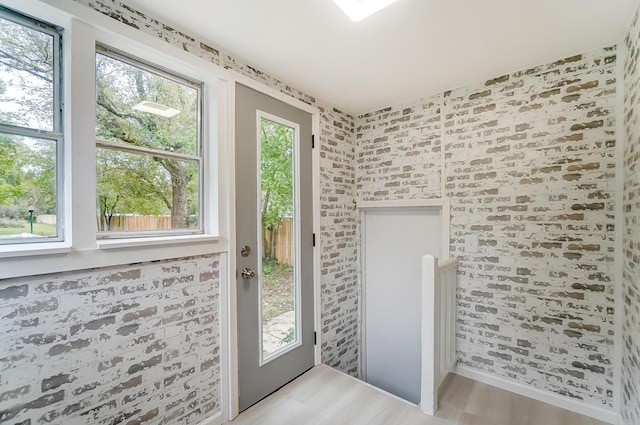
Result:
{"points": [[277, 289], [38, 229]]}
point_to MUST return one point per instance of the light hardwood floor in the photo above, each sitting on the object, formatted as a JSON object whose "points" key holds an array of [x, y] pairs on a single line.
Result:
{"points": [[325, 396]]}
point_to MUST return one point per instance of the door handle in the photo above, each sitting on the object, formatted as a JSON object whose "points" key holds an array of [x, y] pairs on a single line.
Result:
{"points": [[247, 273]]}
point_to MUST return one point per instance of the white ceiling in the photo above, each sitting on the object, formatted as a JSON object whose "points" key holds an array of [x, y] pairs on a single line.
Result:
{"points": [[411, 49]]}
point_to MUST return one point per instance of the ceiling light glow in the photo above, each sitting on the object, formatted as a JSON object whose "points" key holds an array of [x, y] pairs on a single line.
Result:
{"points": [[357, 10], [156, 109]]}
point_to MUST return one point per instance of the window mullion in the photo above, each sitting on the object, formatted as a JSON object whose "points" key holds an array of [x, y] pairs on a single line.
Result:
{"points": [[80, 170], [144, 150], [16, 130]]}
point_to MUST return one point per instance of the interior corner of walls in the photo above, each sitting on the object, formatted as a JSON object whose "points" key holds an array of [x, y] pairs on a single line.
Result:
{"points": [[494, 164], [338, 225], [620, 225], [629, 392]]}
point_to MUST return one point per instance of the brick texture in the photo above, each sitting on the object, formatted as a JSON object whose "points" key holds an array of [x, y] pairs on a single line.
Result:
{"points": [[528, 162], [339, 254], [124, 13], [399, 152], [631, 243], [135, 344]]}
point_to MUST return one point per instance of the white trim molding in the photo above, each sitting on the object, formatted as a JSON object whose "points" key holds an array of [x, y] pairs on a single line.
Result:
{"points": [[215, 419], [596, 412], [443, 204]]}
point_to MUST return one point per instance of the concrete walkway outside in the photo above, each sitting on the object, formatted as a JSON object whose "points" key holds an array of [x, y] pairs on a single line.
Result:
{"points": [[276, 330]]}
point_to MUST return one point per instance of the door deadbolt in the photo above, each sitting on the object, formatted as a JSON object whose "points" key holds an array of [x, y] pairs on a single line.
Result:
{"points": [[247, 273], [245, 250]]}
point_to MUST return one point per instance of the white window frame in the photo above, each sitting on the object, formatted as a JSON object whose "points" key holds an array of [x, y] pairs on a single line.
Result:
{"points": [[83, 29]]}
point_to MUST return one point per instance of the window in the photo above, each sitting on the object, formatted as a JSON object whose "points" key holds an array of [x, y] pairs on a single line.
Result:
{"points": [[108, 155], [31, 139], [148, 149]]}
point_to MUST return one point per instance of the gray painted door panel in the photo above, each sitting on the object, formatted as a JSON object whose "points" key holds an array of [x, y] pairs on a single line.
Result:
{"points": [[257, 382], [394, 242]]}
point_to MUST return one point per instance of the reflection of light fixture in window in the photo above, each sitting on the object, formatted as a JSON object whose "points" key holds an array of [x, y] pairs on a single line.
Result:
{"points": [[156, 109], [357, 10]]}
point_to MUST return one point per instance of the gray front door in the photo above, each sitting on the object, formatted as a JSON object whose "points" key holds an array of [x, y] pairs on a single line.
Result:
{"points": [[274, 230]]}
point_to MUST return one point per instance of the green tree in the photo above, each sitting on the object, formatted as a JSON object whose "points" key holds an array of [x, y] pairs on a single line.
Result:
{"points": [[277, 179], [125, 183], [27, 165], [26, 59], [10, 186]]}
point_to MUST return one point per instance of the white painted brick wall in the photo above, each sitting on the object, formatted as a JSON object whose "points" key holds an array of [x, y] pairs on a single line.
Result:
{"points": [[135, 343], [529, 167], [339, 253], [631, 207]]}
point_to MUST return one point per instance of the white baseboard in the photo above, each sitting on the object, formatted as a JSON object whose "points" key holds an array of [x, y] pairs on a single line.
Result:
{"points": [[215, 419], [600, 413]]}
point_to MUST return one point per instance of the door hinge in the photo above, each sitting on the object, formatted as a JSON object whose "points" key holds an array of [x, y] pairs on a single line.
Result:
{"points": [[315, 338], [313, 141], [314, 239]]}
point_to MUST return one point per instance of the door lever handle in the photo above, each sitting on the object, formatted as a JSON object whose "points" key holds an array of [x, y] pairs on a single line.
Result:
{"points": [[247, 273]]}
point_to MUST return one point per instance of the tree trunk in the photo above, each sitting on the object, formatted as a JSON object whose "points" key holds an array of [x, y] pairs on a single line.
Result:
{"points": [[265, 241], [272, 247], [179, 181], [266, 234]]}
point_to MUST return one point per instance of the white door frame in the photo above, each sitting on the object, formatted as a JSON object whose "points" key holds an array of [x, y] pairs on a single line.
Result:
{"points": [[441, 204], [228, 296]]}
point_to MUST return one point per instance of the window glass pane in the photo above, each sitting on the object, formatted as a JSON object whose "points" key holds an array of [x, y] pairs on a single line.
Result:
{"points": [[27, 187], [142, 108], [139, 192], [26, 76]]}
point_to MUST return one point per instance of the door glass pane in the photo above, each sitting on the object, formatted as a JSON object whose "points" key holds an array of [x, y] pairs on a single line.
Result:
{"points": [[278, 272]]}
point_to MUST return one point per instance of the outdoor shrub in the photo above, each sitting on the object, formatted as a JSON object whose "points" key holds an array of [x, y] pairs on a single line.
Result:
{"points": [[11, 222]]}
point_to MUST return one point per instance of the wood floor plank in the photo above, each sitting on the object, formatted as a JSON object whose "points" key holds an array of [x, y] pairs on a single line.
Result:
{"points": [[324, 396]]}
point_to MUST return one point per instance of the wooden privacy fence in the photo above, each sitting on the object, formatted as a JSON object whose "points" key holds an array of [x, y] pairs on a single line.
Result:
{"points": [[132, 223], [46, 219], [283, 241], [283, 244]]}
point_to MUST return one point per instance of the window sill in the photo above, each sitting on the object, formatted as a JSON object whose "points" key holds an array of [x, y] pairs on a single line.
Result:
{"points": [[32, 261], [157, 240], [27, 250]]}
